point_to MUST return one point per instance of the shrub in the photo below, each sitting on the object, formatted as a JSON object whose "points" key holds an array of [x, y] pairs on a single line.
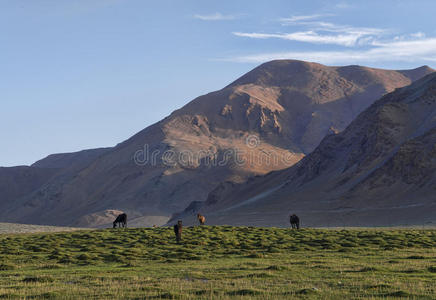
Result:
{"points": [[30, 279], [244, 292], [432, 269]]}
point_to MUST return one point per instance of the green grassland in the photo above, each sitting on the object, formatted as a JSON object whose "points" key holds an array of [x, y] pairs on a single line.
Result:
{"points": [[220, 262]]}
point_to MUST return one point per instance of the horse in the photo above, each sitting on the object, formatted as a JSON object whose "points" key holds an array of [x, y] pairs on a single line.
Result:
{"points": [[201, 219], [178, 231], [121, 220], [295, 221]]}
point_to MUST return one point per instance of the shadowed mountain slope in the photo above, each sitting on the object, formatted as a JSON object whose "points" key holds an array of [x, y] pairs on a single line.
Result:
{"points": [[16, 182], [381, 170]]}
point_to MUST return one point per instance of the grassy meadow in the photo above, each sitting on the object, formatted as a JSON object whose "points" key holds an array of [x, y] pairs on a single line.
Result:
{"points": [[220, 262]]}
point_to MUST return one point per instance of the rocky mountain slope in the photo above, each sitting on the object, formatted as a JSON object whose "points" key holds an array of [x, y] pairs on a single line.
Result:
{"points": [[266, 120], [381, 170]]}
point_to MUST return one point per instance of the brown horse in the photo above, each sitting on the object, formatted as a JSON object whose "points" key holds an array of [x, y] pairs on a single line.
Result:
{"points": [[201, 219]]}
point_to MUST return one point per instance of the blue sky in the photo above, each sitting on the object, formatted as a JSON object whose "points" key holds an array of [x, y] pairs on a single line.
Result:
{"points": [[78, 74]]}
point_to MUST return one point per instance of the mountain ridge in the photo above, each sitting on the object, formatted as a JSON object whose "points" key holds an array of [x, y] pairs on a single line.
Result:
{"points": [[289, 116]]}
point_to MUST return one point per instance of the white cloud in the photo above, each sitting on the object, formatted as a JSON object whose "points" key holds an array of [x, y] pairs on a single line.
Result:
{"points": [[348, 39], [319, 32], [418, 34], [411, 36], [343, 5], [215, 17], [412, 50], [296, 19], [379, 44], [330, 27]]}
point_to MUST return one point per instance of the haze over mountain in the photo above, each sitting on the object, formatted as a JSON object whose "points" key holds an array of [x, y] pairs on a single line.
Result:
{"points": [[267, 120], [381, 170]]}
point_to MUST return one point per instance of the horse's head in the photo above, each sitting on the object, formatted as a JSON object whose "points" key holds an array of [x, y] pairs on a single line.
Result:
{"points": [[115, 224]]}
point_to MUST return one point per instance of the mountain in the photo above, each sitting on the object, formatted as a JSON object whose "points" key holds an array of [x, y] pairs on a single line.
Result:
{"points": [[381, 170], [21, 181], [16, 182], [266, 120], [65, 160]]}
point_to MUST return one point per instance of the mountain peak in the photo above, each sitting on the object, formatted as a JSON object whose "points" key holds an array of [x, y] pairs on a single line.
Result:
{"points": [[417, 73], [425, 68], [279, 72]]}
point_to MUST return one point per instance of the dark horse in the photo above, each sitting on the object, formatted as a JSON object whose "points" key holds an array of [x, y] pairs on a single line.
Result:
{"points": [[178, 231], [121, 220], [295, 221]]}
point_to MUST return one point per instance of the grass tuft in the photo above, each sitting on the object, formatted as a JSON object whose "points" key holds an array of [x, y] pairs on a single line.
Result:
{"points": [[416, 257], [311, 291], [432, 269], [398, 294], [244, 292], [31, 279], [7, 267]]}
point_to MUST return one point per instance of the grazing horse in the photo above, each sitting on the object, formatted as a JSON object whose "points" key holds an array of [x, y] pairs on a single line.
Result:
{"points": [[121, 220], [201, 219], [295, 221], [178, 231]]}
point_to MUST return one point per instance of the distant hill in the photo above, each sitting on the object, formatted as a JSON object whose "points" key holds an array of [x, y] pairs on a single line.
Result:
{"points": [[31, 181], [380, 171], [16, 182], [267, 120]]}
